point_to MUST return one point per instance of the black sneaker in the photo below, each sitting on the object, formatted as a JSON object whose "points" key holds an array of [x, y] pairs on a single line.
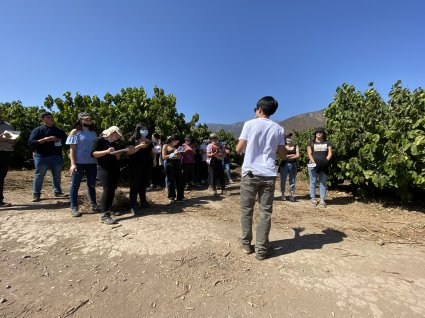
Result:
{"points": [[136, 211], [74, 212], [5, 204], [61, 195], [106, 218], [94, 208], [262, 255], [246, 248], [36, 197]]}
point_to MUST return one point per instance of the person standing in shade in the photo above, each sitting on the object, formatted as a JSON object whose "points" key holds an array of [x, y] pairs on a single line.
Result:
{"points": [[80, 141], [203, 168], [288, 167], [319, 153], [158, 168], [226, 162], [142, 159], [108, 169], [6, 149], [260, 139], [188, 162], [173, 170], [215, 153], [47, 141]]}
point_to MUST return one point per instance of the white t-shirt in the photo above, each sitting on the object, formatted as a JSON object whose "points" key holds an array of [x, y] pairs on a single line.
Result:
{"points": [[263, 136]]}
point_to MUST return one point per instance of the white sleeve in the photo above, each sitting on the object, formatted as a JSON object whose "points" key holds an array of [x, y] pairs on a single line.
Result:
{"points": [[244, 132], [281, 137]]}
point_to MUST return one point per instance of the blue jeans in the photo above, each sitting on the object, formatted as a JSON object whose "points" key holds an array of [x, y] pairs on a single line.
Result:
{"points": [[227, 170], [289, 168], [314, 176], [90, 171], [42, 164]]}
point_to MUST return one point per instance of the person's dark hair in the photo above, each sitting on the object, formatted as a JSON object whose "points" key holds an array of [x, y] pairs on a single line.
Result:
{"points": [[44, 114], [324, 136], [172, 138], [268, 105], [156, 136], [136, 133], [79, 126]]}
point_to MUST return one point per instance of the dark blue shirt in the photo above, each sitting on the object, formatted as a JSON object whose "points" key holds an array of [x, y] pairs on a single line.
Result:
{"points": [[49, 148]]}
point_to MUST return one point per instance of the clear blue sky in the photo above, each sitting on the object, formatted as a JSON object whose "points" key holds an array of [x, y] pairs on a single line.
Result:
{"points": [[217, 57]]}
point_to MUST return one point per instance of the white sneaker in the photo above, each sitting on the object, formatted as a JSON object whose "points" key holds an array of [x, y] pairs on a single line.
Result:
{"points": [[283, 197]]}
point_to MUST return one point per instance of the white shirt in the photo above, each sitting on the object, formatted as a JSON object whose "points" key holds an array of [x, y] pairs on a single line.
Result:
{"points": [[263, 136]]}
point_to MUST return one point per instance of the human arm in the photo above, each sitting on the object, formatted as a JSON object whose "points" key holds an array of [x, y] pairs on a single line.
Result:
{"points": [[310, 154], [295, 155], [240, 147], [329, 156], [282, 152], [133, 149]]}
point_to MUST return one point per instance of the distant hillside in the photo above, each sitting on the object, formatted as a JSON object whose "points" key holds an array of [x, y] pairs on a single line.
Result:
{"points": [[297, 123], [304, 121]]}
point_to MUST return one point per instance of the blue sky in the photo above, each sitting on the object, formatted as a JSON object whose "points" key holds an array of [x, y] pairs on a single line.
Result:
{"points": [[217, 57]]}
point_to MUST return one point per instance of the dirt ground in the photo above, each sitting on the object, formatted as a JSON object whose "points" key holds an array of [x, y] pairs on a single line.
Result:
{"points": [[352, 259]]}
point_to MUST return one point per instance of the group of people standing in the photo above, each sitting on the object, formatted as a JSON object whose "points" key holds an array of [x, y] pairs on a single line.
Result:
{"points": [[97, 157]]}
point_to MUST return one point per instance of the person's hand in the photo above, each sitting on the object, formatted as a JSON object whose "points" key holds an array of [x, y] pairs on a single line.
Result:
{"points": [[53, 138], [72, 169], [111, 149]]}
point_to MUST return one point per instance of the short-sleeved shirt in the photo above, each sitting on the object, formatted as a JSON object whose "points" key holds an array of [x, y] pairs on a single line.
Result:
{"points": [[262, 136], [5, 145], [320, 150], [188, 156], [107, 162], [143, 157], [213, 148], [84, 141]]}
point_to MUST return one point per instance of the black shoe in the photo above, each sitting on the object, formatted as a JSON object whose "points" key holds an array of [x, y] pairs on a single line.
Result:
{"points": [[5, 204], [145, 205], [262, 255], [36, 197], [106, 218], [136, 211], [116, 213], [74, 212], [61, 195], [246, 248], [94, 208]]}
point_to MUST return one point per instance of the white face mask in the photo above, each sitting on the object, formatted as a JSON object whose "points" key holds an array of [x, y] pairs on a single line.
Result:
{"points": [[289, 142], [143, 132]]}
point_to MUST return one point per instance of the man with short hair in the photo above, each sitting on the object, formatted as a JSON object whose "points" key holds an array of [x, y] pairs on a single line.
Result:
{"points": [[6, 149], [260, 139], [47, 141]]}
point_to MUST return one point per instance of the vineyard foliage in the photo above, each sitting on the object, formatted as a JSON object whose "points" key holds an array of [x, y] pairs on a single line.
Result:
{"points": [[124, 110]]}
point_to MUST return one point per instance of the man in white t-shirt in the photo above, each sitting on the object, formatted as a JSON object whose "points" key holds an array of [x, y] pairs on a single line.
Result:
{"points": [[260, 139]]}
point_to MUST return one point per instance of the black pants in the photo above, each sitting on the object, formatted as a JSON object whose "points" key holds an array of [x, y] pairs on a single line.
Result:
{"points": [[158, 178], [174, 180], [188, 173], [139, 177], [4, 168], [217, 173], [109, 181]]}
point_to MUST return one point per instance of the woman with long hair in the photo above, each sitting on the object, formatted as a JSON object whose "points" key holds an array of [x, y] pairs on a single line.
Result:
{"points": [[80, 141], [319, 153], [142, 159], [172, 162]]}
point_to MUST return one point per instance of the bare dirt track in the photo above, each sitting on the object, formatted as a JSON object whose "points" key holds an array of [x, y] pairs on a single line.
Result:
{"points": [[352, 259]]}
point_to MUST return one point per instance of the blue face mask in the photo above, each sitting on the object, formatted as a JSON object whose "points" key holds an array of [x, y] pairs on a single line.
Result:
{"points": [[143, 132]]}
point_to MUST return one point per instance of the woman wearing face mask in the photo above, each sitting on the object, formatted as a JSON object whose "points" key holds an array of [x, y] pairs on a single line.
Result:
{"points": [[142, 159], [81, 140], [108, 169], [173, 169], [288, 167], [319, 152]]}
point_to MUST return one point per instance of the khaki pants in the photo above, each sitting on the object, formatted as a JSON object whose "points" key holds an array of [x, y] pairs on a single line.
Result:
{"points": [[250, 187]]}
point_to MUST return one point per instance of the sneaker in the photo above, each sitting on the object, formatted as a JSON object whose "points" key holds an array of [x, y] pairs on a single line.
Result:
{"points": [[292, 198], [215, 193], [5, 204], [313, 202], [181, 200], [246, 248], [136, 211], [231, 181], [171, 200], [94, 208], [61, 195], [116, 213], [283, 197], [36, 197], [262, 255], [323, 203], [145, 205], [106, 218], [74, 212]]}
